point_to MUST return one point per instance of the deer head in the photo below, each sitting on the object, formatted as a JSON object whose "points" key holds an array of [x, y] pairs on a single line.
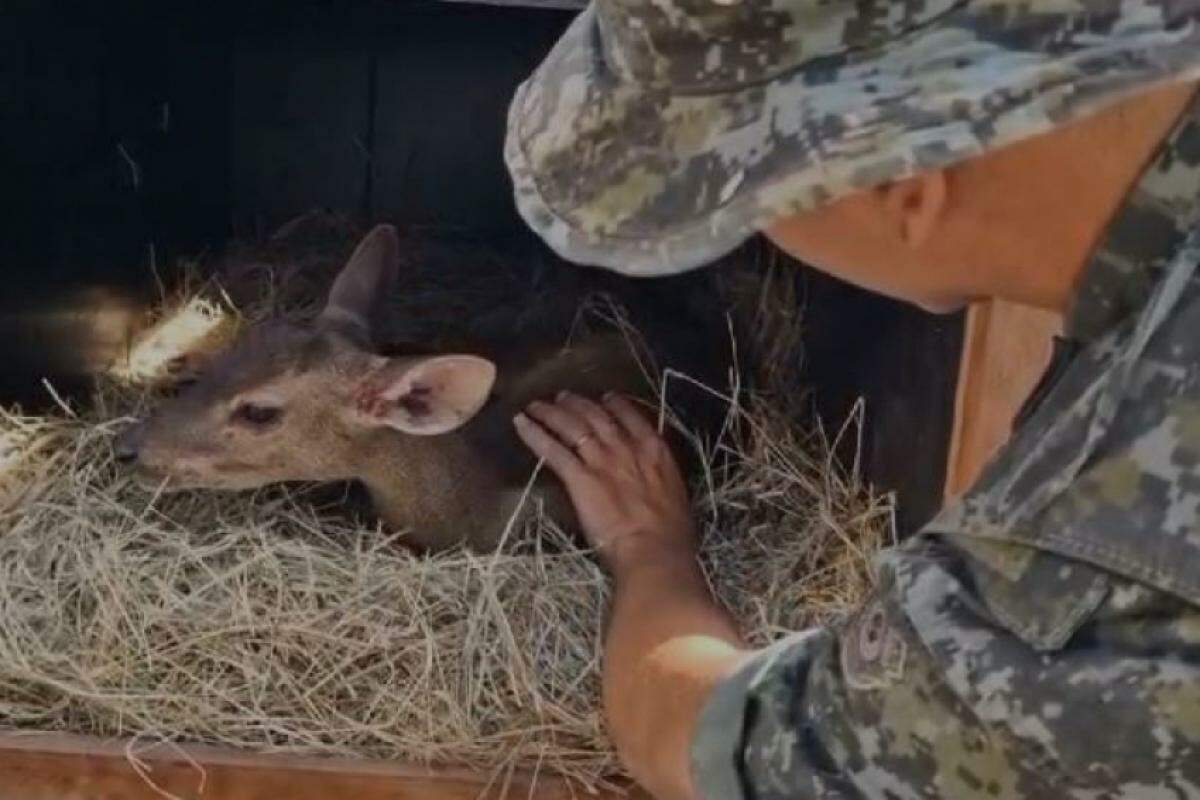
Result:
{"points": [[308, 402]]}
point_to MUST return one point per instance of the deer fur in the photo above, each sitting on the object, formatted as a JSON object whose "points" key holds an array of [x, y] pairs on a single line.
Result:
{"points": [[429, 435]]}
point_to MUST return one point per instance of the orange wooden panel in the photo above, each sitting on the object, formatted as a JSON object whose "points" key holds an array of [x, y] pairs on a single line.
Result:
{"points": [[1005, 350], [61, 767]]}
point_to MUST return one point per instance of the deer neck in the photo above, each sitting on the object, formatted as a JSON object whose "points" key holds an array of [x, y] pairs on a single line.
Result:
{"points": [[431, 483]]}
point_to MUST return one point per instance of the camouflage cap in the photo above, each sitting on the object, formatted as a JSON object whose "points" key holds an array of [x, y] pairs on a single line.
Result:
{"points": [[659, 134]]}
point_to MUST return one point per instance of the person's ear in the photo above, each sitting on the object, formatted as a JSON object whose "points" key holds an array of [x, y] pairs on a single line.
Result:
{"points": [[916, 205]]}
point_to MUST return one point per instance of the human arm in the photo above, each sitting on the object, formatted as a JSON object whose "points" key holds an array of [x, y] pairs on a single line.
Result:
{"points": [[668, 642]]}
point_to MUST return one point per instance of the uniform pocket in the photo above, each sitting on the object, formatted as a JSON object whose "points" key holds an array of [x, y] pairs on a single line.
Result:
{"points": [[1040, 597]]}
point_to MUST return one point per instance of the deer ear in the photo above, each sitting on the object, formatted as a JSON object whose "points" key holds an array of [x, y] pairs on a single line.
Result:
{"points": [[363, 283], [428, 396]]}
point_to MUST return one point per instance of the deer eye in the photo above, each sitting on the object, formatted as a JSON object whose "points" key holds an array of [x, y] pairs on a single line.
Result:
{"points": [[257, 416]]}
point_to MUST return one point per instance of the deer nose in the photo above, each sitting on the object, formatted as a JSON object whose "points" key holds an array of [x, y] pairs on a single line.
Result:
{"points": [[126, 446]]}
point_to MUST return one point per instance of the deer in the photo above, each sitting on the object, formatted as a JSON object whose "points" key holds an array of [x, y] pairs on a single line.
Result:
{"points": [[429, 434]]}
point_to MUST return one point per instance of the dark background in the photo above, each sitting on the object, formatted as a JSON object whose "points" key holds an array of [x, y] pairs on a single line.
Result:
{"points": [[132, 134]]}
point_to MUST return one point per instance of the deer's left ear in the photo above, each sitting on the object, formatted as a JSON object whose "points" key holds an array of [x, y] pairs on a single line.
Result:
{"points": [[364, 283], [426, 396]]}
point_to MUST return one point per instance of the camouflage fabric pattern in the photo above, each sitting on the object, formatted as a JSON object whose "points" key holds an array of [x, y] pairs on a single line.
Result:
{"points": [[659, 134], [1041, 637]]}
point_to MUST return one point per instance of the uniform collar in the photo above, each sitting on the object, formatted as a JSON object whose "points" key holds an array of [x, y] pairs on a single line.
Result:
{"points": [[1150, 228]]}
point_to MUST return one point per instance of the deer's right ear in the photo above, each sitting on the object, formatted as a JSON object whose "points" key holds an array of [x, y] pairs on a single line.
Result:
{"points": [[426, 396], [363, 283]]}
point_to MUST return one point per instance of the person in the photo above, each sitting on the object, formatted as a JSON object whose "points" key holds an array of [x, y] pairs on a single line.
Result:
{"points": [[1040, 638]]}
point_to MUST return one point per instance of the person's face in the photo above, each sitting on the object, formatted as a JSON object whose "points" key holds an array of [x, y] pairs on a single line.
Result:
{"points": [[882, 240], [1017, 223]]}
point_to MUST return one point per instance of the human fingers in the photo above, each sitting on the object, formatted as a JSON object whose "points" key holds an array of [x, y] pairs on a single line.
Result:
{"points": [[570, 427], [599, 420], [548, 447], [631, 418]]}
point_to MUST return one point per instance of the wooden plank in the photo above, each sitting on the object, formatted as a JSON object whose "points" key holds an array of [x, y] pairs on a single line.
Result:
{"points": [[188, 196], [59, 766], [81, 91], [445, 81], [300, 127], [1005, 351], [558, 4], [902, 363]]}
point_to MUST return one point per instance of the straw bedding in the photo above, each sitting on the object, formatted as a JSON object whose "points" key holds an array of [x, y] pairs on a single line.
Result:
{"points": [[273, 621]]}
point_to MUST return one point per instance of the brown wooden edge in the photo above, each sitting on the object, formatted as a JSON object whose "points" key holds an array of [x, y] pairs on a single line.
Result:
{"points": [[1006, 348], [43, 766]]}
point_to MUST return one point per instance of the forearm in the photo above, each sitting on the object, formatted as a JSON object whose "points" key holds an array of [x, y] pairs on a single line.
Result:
{"points": [[668, 645]]}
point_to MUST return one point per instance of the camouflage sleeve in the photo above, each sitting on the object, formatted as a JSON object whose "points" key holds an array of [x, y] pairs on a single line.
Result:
{"points": [[751, 739], [976, 670]]}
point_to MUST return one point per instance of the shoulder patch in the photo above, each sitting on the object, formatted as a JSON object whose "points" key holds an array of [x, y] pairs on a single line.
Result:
{"points": [[872, 650]]}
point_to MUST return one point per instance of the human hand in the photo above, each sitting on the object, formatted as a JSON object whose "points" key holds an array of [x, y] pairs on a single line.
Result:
{"points": [[628, 491]]}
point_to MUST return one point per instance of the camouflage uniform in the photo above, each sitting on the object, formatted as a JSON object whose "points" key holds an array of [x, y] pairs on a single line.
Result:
{"points": [[1041, 637]]}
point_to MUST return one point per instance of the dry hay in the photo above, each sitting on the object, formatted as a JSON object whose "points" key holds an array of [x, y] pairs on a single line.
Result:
{"points": [[265, 621]]}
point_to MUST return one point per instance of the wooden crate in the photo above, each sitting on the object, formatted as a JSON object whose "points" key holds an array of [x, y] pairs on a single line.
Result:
{"points": [[1006, 348], [62, 767], [1005, 351]]}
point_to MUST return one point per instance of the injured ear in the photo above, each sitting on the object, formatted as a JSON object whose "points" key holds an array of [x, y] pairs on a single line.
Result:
{"points": [[426, 396]]}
